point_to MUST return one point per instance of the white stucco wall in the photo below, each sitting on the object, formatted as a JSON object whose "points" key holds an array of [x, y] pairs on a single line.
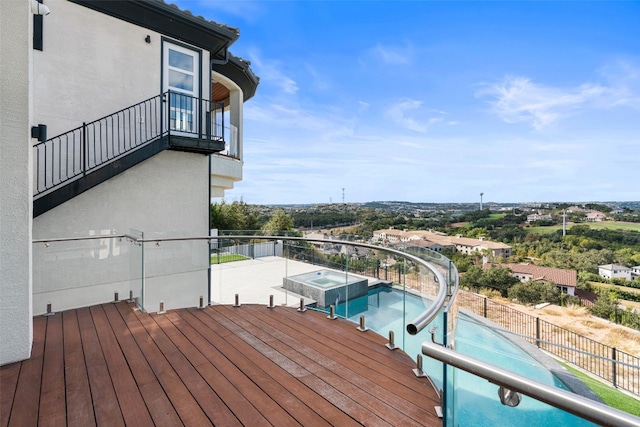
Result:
{"points": [[93, 65], [16, 331], [165, 196], [225, 171]]}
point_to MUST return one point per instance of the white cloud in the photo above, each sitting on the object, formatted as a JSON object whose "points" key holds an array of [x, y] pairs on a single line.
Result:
{"points": [[319, 81], [294, 118], [623, 76], [271, 73], [518, 99], [392, 55], [363, 106], [409, 114]]}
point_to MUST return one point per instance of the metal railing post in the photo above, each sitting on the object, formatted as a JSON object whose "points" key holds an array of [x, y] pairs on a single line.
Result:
{"points": [[85, 147], [166, 100], [208, 126], [222, 120], [614, 366], [538, 331]]}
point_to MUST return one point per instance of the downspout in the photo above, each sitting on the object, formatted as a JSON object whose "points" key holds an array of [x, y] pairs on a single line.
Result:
{"points": [[221, 61], [211, 63]]}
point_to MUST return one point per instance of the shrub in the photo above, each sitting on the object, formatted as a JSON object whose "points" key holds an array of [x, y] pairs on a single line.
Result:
{"points": [[535, 293]]}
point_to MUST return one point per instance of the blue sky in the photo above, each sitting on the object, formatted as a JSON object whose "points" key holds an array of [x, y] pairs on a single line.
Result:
{"points": [[437, 101]]}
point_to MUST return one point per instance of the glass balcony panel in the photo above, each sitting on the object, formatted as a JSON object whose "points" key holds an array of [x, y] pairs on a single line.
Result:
{"points": [[102, 265], [169, 264]]}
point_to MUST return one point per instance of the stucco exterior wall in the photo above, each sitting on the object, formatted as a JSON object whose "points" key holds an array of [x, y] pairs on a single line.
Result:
{"points": [[93, 65], [165, 196], [15, 182], [225, 171]]}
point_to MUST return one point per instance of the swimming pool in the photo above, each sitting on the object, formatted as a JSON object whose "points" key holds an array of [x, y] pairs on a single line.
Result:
{"points": [[476, 402]]}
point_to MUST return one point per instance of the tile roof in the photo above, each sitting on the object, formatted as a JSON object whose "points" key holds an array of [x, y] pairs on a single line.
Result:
{"points": [[556, 275], [443, 239]]}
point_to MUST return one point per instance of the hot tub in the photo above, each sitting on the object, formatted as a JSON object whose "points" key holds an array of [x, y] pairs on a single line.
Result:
{"points": [[327, 287]]}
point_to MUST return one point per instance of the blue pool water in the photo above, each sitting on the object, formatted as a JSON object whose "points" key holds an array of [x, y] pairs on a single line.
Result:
{"points": [[476, 401]]}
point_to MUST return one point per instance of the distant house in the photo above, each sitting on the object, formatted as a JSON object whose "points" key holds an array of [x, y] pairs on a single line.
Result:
{"points": [[595, 217], [538, 217], [587, 298], [565, 280], [442, 241], [615, 271], [436, 247], [391, 235]]}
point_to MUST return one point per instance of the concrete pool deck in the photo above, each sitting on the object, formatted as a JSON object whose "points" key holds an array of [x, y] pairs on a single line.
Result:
{"points": [[254, 280]]}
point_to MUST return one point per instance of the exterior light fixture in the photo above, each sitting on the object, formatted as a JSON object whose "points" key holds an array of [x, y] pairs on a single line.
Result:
{"points": [[38, 8], [39, 132]]}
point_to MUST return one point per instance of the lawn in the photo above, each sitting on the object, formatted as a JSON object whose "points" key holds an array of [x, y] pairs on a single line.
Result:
{"points": [[607, 286], [610, 396], [222, 258], [611, 225]]}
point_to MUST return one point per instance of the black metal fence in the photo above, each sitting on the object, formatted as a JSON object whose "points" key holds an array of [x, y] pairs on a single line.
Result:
{"points": [[66, 157], [621, 369]]}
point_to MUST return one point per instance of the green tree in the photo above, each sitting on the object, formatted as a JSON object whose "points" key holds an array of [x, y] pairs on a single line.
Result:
{"points": [[234, 216], [472, 278], [499, 279], [534, 292], [605, 305], [279, 221]]}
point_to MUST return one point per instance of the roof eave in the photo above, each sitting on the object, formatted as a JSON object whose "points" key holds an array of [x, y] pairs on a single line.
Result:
{"points": [[239, 70], [168, 20]]}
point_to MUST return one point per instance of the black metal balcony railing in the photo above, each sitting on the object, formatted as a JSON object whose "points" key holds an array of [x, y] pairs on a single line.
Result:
{"points": [[73, 154]]}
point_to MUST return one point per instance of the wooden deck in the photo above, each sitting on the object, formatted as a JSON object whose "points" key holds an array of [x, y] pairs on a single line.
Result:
{"points": [[110, 365]]}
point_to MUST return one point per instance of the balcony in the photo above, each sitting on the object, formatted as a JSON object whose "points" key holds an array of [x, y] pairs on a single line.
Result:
{"points": [[71, 163]]}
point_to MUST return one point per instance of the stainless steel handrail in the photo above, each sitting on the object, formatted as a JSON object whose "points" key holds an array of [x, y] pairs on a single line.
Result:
{"points": [[562, 399], [413, 327], [96, 237]]}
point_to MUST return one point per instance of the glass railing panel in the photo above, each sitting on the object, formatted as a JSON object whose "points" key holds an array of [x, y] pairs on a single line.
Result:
{"points": [[170, 264], [251, 268], [103, 265], [396, 287], [136, 267], [466, 391], [463, 391]]}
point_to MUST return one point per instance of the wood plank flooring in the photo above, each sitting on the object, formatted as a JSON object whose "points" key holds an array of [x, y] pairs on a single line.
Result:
{"points": [[110, 365]]}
